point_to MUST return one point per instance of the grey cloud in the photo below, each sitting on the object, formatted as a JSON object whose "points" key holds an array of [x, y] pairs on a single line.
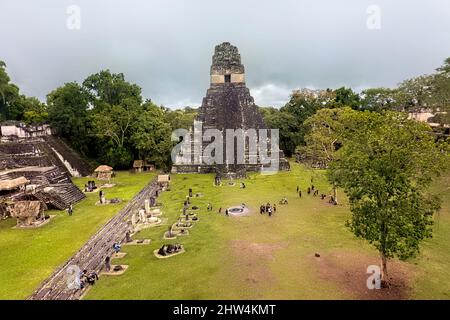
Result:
{"points": [[165, 46]]}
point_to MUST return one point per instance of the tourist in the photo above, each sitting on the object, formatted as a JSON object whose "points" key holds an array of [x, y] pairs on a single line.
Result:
{"points": [[220, 210], [297, 189], [70, 209], [308, 190], [226, 212], [128, 237], [274, 208], [269, 210], [92, 277], [116, 247], [83, 278], [261, 209], [312, 187], [107, 264], [332, 201], [162, 250], [300, 193]]}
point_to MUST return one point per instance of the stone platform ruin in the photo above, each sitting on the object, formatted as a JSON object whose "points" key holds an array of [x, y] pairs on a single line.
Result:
{"points": [[37, 166], [227, 105]]}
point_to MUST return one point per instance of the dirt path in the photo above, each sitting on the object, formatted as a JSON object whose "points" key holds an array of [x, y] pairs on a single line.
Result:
{"points": [[348, 271]]}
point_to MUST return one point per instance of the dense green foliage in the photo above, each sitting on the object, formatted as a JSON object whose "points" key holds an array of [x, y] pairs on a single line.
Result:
{"points": [[107, 119], [423, 92], [15, 106], [385, 165]]}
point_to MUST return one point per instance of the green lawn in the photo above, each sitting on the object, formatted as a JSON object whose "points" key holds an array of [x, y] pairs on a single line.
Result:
{"points": [[257, 257], [27, 257], [252, 257]]}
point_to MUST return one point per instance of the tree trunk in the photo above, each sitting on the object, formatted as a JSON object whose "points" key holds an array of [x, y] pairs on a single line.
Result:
{"points": [[335, 192], [384, 273]]}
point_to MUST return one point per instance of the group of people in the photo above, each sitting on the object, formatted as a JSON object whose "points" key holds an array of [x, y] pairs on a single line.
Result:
{"points": [[270, 209], [90, 186], [315, 192], [169, 249], [87, 278]]}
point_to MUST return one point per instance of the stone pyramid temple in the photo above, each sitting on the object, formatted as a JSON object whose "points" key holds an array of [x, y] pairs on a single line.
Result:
{"points": [[227, 105]]}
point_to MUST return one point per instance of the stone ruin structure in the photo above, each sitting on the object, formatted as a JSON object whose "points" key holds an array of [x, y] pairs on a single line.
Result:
{"points": [[227, 105], [37, 166], [28, 213]]}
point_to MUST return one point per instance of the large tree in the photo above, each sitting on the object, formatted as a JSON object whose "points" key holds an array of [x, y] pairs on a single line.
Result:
{"points": [[290, 134], [324, 137], [113, 125], [110, 88], [9, 94], [439, 99], [152, 136], [385, 166], [345, 97], [180, 118], [379, 99], [68, 114]]}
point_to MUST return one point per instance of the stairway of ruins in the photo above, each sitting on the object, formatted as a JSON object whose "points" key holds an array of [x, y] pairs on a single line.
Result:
{"points": [[75, 160], [92, 254]]}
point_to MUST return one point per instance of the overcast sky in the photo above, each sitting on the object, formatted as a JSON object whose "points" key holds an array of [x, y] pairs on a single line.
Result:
{"points": [[165, 46]]}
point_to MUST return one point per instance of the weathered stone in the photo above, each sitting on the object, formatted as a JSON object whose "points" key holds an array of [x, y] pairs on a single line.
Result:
{"points": [[228, 105]]}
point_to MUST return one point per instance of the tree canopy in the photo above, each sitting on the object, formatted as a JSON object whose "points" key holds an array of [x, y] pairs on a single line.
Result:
{"points": [[385, 166]]}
